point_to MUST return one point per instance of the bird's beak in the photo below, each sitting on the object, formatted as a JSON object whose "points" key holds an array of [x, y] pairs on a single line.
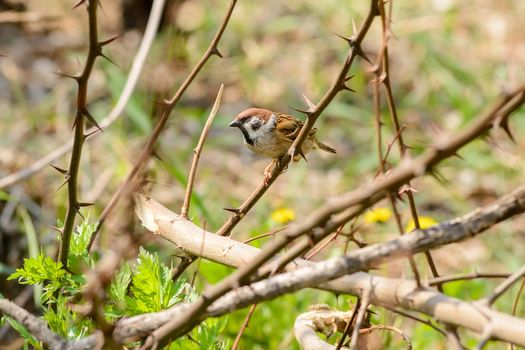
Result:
{"points": [[235, 123]]}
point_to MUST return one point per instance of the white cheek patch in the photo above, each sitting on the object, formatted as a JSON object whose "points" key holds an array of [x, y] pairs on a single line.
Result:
{"points": [[264, 130]]}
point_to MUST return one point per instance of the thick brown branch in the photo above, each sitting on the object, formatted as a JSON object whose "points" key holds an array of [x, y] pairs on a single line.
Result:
{"points": [[385, 291]]}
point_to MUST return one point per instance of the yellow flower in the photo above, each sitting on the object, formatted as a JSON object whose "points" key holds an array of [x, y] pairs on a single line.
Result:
{"points": [[283, 215], [377, 215], [424, 222]]}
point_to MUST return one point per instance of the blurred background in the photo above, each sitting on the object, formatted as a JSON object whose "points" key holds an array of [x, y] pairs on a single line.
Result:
{"points": [[449, 62]]}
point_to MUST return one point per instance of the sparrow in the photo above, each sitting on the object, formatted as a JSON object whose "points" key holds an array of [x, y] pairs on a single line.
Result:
{"points": [[271, 134]]}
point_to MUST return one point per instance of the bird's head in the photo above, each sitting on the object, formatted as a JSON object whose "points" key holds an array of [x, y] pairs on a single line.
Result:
{"points": [[253, 122]]}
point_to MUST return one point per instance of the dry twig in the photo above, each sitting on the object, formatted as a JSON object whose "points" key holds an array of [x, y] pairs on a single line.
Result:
{"points": [[504, 286]]}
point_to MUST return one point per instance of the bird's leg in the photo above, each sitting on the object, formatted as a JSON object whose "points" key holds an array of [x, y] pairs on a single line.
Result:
{"points": [[269, 169]]}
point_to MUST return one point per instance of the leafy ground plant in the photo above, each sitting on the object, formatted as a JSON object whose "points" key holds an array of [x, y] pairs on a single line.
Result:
{"points": [[142, 286]]}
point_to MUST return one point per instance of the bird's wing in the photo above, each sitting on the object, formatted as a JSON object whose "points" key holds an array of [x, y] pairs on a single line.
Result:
{"points": [[289, 127]]}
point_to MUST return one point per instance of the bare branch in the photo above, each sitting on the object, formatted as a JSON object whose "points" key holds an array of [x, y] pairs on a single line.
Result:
{"points": [[73, 204], [467, 276], [40, 331], [385, 291], [361, 315], [396, 330], [237, 341], [319, 319]]}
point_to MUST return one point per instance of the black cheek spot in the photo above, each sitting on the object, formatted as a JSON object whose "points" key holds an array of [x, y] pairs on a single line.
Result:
{"points": [[256, 125], [247, 137]]}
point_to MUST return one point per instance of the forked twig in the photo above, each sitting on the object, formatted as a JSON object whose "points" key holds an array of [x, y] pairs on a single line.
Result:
{"points": [[504, 286]]}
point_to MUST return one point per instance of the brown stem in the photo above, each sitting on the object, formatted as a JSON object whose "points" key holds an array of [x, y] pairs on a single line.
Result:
{"points": [[95, 50], [361, 316], [403, 149], [348, 326], [418, 319], [114, 114], [463, 277], [377, 111], [237, 341]]}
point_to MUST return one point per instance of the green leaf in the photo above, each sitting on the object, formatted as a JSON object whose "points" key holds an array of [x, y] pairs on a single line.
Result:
{"points": [[65, 322], [118, 290], [79, 256], [152, 287], [43, 270], [28, 337]]}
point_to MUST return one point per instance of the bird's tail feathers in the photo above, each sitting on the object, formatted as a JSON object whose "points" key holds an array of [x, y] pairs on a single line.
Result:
{"points": [[324, 147]]}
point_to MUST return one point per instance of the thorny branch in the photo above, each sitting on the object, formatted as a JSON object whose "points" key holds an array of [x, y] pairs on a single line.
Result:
{"points": [[179, 326], [379, 77], [313, 114], [114, 114], [127, 186], [301, 274], [324, 221], [82, 113]]}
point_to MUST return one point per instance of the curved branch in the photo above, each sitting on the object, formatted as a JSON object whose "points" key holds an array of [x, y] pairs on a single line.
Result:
{"points": [[323, 320], [340, 210]]}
